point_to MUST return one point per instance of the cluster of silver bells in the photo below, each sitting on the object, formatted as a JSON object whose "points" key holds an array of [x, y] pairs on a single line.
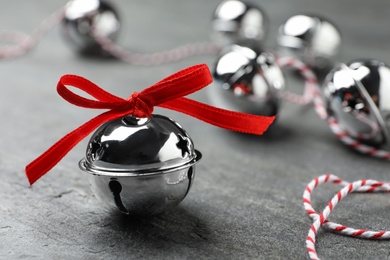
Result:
{"points": [[144, 166], [356, 94]]}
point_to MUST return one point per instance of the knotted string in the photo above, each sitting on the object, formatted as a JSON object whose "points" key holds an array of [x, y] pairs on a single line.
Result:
{"points": [[168, 93], [21, 44], [320, 219]]}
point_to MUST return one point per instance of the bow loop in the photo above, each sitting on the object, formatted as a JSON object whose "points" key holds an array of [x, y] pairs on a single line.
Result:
{"points": [[167, 93], [104, 99]]}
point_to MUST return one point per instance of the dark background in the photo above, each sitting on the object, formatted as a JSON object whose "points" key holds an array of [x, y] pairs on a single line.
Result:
{"points": [[246, 201]]}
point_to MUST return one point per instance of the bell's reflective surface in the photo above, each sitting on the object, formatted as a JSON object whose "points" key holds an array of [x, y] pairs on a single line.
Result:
{"points": [[140, 166], [312, 39], [249, 81], [358, 95], [239, 22], [82, 17]]}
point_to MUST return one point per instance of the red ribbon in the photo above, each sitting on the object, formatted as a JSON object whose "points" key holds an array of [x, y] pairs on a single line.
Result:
{"points": [[167, 93]]}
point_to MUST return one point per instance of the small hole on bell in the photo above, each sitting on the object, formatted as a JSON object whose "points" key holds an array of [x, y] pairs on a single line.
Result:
{"points": [[95, 150], [116, 189], [184, 145]]}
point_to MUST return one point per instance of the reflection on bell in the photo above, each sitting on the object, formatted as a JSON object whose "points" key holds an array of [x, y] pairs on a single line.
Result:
{"points": [[249, 81], [140, 166], [312, 39], [82, 17], [358, 96], [238, 22]]}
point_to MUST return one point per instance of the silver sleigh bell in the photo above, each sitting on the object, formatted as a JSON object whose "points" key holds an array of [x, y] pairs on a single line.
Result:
{"points": [[140, 166], [249, 81], [358, 96], [83, 18], [312, 39], [239, 22]]}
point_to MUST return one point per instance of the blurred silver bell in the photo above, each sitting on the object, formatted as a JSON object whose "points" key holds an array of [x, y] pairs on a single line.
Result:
{"points": [[140, 166], [238, 22], [313, 40], [249, 81], [358, 96], [84, 17]]}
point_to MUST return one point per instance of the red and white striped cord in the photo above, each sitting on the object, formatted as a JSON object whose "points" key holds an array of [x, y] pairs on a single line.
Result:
{"points": [[22, 43], [312, 90], [321, 219], [308, 76], [158, 58]]}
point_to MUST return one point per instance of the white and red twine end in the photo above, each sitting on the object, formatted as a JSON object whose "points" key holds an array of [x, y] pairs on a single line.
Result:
{"points": [[321, 219]]}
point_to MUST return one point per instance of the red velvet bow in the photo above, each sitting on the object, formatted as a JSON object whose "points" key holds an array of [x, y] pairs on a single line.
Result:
{"points": [[167, 93]]}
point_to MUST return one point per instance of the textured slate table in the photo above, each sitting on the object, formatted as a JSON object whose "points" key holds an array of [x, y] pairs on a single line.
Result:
{"points": [[246, 200]]}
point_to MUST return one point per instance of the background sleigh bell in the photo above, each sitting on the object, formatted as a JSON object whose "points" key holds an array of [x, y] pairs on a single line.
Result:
{"points": [[358, 96]]}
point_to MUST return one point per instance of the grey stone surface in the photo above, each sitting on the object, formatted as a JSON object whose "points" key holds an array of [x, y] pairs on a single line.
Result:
{"points": [[246, 199]]}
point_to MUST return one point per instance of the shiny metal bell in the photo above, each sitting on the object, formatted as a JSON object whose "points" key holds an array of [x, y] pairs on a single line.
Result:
{"points": [[238, 22], [358, 96], [249, 81], [140, 166], [312, 39], [82, 17]]}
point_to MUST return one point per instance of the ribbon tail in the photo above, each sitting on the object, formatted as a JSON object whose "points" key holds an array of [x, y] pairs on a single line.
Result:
{"points": [[41, 165], [236, 121]]}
